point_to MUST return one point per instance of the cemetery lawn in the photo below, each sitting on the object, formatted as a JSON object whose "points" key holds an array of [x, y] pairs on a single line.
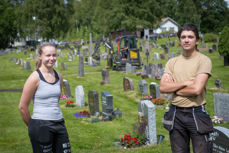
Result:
{"points": [[87, 137]]}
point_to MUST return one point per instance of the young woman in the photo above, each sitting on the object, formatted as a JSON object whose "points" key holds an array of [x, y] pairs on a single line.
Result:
{"points": [[46, 127]]}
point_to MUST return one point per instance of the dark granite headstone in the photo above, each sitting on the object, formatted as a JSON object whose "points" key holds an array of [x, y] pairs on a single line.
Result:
{"points": [[27, 66], [218, 84], [63, 66], [81, 66], [221, 105], [154, 90], [127, 84], [67, 90], [220, 140], [107, 103], [143, 87], [93, 101]]}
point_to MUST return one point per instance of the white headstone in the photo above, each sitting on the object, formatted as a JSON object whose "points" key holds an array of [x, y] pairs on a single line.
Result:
{"points": [[79, 94]]}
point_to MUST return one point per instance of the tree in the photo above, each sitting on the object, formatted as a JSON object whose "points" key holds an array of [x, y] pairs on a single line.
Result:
{"points": [[187, 13], [8, 29], [49, 18], [224, 44], [214, 15]]}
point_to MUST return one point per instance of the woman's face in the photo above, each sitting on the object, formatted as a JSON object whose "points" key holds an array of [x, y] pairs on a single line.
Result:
{"points": [[48, 56]]}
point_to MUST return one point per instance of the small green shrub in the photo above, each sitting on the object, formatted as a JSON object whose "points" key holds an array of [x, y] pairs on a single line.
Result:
{"points": [[210, 37], [224, 42]]}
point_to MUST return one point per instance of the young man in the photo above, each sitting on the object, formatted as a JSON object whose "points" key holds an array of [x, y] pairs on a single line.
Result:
{"points": [[186, 77]]}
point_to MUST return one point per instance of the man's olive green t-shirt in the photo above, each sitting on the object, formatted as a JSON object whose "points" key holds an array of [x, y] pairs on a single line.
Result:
{"points": [[187, 68]]}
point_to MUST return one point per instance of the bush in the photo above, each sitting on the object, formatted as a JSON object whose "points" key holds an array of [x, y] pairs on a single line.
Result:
{"points": [[223, 45], [210, 37]]}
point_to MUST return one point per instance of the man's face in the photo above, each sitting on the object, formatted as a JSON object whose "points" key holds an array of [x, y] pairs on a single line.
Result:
{"points": [[188, 40]]}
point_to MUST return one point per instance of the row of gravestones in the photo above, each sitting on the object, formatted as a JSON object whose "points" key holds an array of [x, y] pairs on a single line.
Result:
{"points": [[142, 87], [153, 70], [93, 101], [21, 62]]}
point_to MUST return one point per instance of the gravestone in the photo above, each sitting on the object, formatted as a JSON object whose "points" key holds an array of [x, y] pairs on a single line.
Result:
{"points": [[105, 76], [90, 45], [127, 84], [156, 56], [143, 87], [147, 108], [90, 62], [144, 69], [27, 66], [218, 84], [214, 47], [220, 140], [162, 56], [93, 101], [63, 66], [79, 94], [56, 64], [154, 90], [107, 103], [221, 105], [128, 68], [67, 90], [81, 66]]}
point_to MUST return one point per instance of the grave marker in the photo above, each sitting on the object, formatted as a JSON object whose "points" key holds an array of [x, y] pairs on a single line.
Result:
{"points": [[220, 140], [154, 90], [81, 66], [127, 84], [143, 87], [67, 90], [93, 101], [107, 103], [105, 76], [221, 107], [147, 108], [79, 94]]}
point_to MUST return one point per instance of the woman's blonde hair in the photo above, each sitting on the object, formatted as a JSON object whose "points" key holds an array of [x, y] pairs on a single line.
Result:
{"points": [[40, 51]]}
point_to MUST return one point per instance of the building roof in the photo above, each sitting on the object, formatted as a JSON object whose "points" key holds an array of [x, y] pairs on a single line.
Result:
{"points": [[164, 20]]}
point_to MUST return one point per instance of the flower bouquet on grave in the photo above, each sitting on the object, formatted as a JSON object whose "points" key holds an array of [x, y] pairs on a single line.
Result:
{"points": [[158, 101], [102, 82], [84, 112], [70, 103], [217, 120], [62, 97], [144, 76], [148, 98], [129, 142], [138, 73]]}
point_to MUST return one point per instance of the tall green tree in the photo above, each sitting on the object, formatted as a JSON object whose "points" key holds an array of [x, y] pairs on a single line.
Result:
{"points": [[187, 12], [8, 28], [48, 19], [214, 15]]}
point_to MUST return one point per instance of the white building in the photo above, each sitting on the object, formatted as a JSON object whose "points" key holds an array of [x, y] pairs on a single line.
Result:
{"points": [[167, 24]]}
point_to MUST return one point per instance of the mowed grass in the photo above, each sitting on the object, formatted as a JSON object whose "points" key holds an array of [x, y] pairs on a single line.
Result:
{"points": [[87, 137]]}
